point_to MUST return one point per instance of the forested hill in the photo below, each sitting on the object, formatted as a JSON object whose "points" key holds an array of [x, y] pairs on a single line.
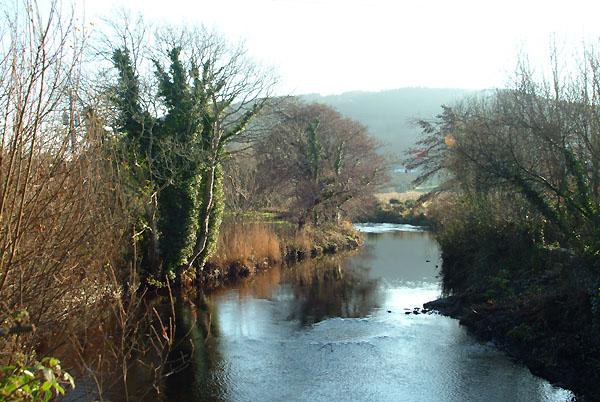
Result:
{"points": [[389, 115]]}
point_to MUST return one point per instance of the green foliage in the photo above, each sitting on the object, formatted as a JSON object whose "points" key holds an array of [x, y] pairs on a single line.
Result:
{"points": [[26, 378], [127, 94], [172, 159], [135, 148], [178, 226], [38, 381], [135, 123], [180, 168]]}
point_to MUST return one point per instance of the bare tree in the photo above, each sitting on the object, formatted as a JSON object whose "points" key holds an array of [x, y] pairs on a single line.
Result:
{"points": [[324, 163]]}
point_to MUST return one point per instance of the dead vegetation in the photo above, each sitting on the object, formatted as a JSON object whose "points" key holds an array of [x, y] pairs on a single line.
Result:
{"points": [[247, 243]]}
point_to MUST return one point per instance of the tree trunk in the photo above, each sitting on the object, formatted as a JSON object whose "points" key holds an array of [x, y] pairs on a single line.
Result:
{"points": [[199, 256], [154, 251]]}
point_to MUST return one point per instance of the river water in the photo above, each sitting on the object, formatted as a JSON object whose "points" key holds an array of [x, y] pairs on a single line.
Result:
{"points": [[343, 329]]}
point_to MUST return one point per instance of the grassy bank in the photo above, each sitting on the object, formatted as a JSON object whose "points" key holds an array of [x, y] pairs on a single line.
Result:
{"points": [[538, 303], [249, 244]]}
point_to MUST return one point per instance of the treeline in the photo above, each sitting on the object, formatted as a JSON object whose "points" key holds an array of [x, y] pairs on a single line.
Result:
{"points": [[518, 216], [116, 171]]}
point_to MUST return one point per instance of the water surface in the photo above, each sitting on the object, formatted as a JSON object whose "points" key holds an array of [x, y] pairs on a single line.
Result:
{"points": [[337, 329]]}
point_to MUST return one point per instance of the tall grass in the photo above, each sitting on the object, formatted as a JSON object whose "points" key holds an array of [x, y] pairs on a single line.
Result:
{"points": [[247, 244], [302, 239]]}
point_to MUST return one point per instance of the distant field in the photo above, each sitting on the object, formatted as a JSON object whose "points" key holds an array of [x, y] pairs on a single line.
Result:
{"points": [[403, 196]]}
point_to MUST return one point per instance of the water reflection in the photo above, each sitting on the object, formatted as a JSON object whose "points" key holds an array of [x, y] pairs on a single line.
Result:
{"points": [[401, 258], [195, 363], [327, 289]]}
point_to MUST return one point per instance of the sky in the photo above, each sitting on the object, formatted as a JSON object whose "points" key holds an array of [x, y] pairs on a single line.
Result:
{"points": [[334, 46]]}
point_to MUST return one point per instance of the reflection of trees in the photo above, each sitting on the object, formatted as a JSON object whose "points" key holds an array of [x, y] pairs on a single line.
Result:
{"points": [[261, 286], [195, 361], [400, 235], [325, 289]]}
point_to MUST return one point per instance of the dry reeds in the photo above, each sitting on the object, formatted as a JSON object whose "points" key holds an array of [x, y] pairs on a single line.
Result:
{"points": [[247, 243]]}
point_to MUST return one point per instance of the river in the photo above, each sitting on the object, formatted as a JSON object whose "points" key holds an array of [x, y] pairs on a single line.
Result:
{"points": [[343, 328]]}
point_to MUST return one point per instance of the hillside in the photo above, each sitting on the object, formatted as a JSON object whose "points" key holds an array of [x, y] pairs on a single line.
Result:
{"points": [[390, 114]]}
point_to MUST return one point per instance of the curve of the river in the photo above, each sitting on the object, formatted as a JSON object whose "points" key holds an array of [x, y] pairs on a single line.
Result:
{"points": [[343, 329]]}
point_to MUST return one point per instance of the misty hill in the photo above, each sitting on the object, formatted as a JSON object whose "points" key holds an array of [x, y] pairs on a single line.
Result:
{"points": [[389, 114]]}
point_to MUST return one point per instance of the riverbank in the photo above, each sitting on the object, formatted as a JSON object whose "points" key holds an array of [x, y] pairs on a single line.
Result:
{"points": [[539, 305], [250, 247]]}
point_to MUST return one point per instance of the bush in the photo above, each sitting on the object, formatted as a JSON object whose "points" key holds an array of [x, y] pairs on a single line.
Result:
{"points": [[36, 381], [475, 234]]}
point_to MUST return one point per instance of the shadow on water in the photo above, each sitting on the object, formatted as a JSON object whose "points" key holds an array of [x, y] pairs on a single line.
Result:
{"points": [[313, 292], [195, 363]]}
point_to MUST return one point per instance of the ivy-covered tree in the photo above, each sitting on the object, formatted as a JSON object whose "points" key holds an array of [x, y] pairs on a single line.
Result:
{"points": [[180, 159], [208, 94], [137, 128]]}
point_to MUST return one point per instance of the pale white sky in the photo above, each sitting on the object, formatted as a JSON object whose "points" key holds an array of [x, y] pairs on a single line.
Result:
{"points": [[332, 46]]}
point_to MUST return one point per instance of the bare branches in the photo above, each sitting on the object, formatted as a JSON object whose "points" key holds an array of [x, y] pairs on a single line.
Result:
{"points": [[319, 169], [62, 221], [539, 139]]}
